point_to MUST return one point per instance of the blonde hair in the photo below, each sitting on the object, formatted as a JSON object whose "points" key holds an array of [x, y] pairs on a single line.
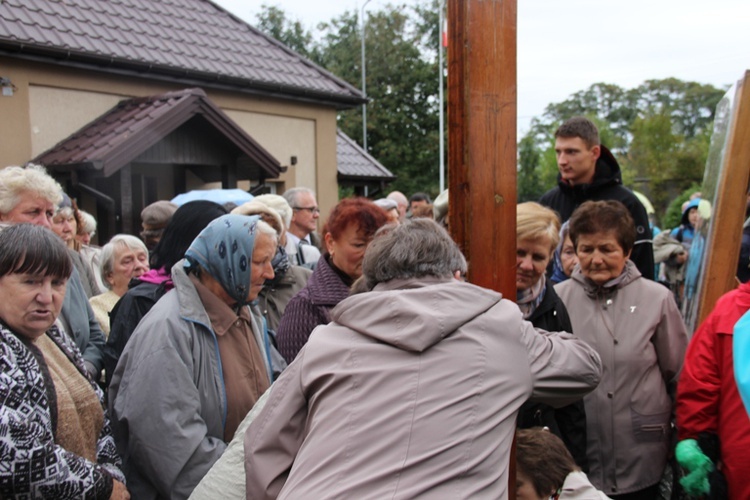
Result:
{"points": [[31, 178], [533, 222]]}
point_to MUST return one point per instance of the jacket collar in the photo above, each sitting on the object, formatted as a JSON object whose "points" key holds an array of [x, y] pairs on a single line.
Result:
{"points": [[325, 286]]}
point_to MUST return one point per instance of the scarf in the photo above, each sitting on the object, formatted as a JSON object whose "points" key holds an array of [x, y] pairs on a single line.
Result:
{"points": [[157, 277], [280, 265], [593, 290], [528, 300], [224, 249]]}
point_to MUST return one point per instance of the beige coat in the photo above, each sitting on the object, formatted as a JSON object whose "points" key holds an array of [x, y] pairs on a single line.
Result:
{"points": [[641, 338], [412, 391]]}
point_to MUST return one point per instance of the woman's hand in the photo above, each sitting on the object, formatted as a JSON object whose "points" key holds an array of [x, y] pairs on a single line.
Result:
{"points": [[119, 491]]}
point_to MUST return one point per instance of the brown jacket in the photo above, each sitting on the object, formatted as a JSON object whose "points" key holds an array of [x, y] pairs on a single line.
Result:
{"points": [[628, 415], [412, 391]]}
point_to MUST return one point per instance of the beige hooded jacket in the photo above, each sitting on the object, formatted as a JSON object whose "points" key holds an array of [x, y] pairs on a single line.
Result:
{"points": [[412, 391]]}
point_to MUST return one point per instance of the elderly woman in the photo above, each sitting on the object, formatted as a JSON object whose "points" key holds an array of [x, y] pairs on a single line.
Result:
{"points": [[537, 233], [196, 363], [636, 328], [29, 194], [188, 221], [564, 259], [412, 390], [55, 437], [350, 228], [288, 279], [125, 257], [65, 223]]}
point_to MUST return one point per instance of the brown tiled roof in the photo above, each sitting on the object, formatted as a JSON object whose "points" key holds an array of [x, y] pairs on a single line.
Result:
{"points": [[355, 164], [134, 125], [184, 40]]}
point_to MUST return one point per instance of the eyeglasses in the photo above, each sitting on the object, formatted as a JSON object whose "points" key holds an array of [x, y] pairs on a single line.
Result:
{"points": [[312, 210]]}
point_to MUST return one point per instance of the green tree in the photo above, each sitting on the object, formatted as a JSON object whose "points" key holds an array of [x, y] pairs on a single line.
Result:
{"points": [[402, 85], [274, 21], [659, 131]]}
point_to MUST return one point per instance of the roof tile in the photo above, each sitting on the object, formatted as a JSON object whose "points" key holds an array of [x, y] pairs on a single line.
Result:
{"points": [[195, 36]]}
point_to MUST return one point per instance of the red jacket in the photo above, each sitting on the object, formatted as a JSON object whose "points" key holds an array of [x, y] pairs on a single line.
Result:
{"points": [[707, 395]]}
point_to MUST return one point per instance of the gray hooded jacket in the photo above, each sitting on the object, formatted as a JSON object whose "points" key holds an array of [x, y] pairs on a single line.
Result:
{"points": [[412, 391]]}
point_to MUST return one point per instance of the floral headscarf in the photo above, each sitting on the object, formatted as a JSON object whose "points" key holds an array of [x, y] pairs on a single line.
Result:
{"points": [[225, 250]]}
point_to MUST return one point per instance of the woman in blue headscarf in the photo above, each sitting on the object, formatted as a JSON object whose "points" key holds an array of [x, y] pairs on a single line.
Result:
{"points": [[197, 362]]}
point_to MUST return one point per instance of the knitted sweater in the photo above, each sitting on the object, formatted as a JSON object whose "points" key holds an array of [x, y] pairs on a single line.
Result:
{"points": [[309, 308]]}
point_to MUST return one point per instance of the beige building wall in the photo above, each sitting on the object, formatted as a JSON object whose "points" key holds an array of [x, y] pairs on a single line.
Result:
{"points": [[52, 102]]}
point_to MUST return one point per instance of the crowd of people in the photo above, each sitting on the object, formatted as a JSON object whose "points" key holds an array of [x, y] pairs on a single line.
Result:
{"points": [[357, 362]]}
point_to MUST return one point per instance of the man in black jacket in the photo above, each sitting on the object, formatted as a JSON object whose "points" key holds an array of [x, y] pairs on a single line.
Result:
{"points": [[589, 171]]}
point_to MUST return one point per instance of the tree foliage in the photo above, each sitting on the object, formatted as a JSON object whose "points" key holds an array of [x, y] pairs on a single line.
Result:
{"points": [[402, 82], [660, 132]]}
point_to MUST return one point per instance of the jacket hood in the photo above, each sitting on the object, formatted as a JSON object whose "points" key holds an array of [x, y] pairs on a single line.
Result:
{"points": [[607, 172], [693, 204], [414, 314]]}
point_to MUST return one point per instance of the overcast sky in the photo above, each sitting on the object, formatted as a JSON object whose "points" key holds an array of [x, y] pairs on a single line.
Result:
{"points": [[566, 46]]}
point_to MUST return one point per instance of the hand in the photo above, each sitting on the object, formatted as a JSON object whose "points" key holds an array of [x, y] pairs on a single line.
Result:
{"points": [[119, 491]]}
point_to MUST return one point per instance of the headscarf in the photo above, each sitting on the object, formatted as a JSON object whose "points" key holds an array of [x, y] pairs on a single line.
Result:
{"points": [[224, 249], [558, 275]]}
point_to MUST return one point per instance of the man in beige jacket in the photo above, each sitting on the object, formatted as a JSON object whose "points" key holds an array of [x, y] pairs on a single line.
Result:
{"points": [[413, 389]]}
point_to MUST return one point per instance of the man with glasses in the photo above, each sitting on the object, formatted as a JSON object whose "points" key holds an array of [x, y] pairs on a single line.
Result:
{"points": [[302, 244]]}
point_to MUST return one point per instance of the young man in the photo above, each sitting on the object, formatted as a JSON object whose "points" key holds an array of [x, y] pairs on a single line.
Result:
{"points": [[589, 171]]}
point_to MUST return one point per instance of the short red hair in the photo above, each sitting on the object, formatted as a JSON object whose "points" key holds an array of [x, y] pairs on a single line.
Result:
{"points": [[360, 211]]}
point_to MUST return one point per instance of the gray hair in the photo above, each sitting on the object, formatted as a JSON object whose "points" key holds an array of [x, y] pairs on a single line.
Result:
{"points": [[266, 228], [290, 195], [107, 258], [414, 249], [88, 222], [279, 204], [32, 178]]}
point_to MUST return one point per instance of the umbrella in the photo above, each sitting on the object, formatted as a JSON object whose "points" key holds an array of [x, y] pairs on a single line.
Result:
{"points": [[644, 201], [220, 196]]}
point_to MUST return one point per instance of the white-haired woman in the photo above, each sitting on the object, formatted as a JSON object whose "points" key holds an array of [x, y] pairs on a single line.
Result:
{"points": [[125, 257]]}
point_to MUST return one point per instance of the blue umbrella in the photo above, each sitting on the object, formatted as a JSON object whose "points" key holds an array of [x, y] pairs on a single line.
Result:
{"points": [[220, 196]]}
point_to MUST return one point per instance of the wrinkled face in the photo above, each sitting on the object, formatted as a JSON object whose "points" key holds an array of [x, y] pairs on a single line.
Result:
{"points": [[128, 263], [525, 488], [601, 256], [31, 208], [29, 304], [348, 250], [568, 257], [305, 214], [64, 225], [576, 161], [532, 257], [261, 268]]}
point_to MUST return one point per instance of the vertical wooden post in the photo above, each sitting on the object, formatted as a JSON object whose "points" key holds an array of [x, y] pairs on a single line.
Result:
{"points": [[723, 249], [482, 144], [482, 138]]}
